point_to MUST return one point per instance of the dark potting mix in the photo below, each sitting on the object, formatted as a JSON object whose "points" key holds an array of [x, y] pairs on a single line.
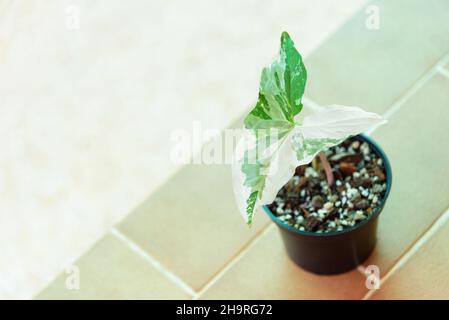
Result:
{"points": [[308, 203]]}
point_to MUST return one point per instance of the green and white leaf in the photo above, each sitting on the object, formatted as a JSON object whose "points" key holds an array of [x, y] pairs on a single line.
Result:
{"points": [[281, 89], [339, 122], [274, 144], [258, 166]]}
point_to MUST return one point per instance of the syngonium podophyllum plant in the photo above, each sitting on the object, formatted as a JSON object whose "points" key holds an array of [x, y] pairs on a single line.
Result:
{"points": [[277, 139]]}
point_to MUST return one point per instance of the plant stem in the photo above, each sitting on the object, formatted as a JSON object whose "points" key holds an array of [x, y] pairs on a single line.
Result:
{"points": [[315, 164], [327, 168]]}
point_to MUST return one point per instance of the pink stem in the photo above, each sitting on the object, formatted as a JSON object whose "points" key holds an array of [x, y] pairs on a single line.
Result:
{"points": [[327, 169]]}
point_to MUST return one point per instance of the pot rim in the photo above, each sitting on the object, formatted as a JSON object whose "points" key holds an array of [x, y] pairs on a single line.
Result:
{"points": [[379, 151]]}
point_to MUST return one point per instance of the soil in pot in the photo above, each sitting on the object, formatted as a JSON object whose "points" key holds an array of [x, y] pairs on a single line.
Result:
{"points": [[307, 202]]}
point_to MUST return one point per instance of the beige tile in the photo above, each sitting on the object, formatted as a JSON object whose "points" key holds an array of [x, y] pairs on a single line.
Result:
{"points": [[192, 224], [372, 68], [266, 272], [425, 275], [110, 270], [415, 140]]}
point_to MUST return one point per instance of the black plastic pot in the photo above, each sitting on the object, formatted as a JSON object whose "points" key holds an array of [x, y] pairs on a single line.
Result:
{"points": [[335, 252]]}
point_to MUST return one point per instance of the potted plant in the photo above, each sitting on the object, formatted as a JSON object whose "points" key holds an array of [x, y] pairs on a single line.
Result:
{"points": [[317, 177]]}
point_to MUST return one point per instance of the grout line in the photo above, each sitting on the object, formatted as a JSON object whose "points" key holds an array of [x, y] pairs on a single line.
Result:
{"points": [[395, 106], [406, 96], [437, 67], [444, 60], [443, 71], [148, 258], [233, 261], [430, 232]]}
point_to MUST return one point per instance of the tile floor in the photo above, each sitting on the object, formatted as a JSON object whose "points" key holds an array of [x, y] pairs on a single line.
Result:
{"points": [[188, 238]]}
